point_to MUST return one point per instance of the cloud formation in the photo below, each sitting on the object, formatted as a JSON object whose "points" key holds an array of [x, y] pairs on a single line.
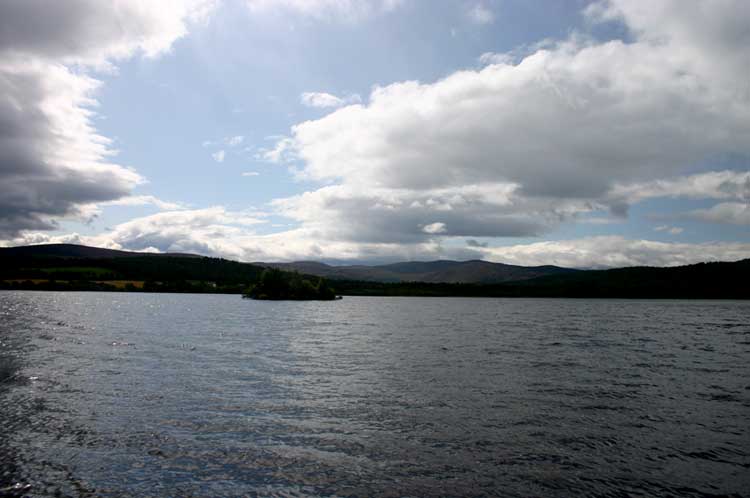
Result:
{"points": [[366, 214], [735, 213], [342, 10], [221, 233], [234, 141], [670, 230], [728, 185], [325, 100], [555, 132], [617, 251], [529, 141], [53, 162]]}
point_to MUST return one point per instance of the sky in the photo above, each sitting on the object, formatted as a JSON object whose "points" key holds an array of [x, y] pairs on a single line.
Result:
{"points": [[585, 134]]}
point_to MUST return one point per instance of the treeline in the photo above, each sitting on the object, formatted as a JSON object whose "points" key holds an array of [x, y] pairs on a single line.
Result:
{"points": [[178, 286], [142, 268], [164, 273], [700, 281], [145, 273], [132, 274]]}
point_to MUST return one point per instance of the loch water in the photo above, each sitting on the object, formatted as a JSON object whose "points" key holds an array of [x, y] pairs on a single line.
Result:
{"points": [[129, 394]]}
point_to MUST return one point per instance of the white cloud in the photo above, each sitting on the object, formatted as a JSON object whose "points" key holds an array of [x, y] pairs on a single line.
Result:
{"points": [[52, 159], [568, 129], [92, 32], [712, 185], [89, 212], [598, 220], [736, 213], [495, 58], [616, 251], [234, 141], [502, 123], [341, 10], [144, 200], [282, 152], [219, 233], [250, 173], [54, 162], [368, 214], [481, 14], [212, 231], [219, 155], [555, 132], [668, 229], [324, 100], [434, 228]]}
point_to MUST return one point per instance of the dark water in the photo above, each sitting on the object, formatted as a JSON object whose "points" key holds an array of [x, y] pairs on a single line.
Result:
{"points": [[197, 395]]}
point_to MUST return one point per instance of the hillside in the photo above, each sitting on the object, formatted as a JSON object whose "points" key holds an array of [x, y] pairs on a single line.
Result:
{"points": [[69, 267], [718, 280], [81, 267], [78, 251], [442, 271]]}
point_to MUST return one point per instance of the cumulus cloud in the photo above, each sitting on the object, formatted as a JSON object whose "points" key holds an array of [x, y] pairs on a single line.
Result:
{"points": [[219, 156], [436, 227], [204, 231], [324, 100], [53, 162], [669, 229], [91, 32], [567, 129], [712, 185], [555, 132], [736, 213], [366, 214], [616, 251], [145, 200], [220, 233], [566, 123], [346, 10], [89, 212], [282, 152]]}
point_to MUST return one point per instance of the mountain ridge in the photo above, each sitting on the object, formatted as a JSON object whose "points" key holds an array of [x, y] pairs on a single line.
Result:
{"points": [[70, 267], [438, 271], [81, 251]]}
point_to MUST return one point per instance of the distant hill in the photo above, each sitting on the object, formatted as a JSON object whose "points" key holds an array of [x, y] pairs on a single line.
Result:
{"points": [[78, 251], [442, 271], [717, 280], [72, 267]]}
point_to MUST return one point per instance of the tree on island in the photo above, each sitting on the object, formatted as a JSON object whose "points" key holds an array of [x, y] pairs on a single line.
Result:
{"points": [[275, 284]]}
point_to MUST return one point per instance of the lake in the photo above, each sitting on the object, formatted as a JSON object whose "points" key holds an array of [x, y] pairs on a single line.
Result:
{"points": [[118, 394]]}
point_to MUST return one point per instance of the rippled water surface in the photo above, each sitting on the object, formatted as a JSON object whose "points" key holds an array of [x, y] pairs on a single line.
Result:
{"points": [[118, 394]]}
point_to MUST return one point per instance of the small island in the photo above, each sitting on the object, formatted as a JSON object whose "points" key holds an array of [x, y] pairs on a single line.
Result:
{"points": [[279, 285]]}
